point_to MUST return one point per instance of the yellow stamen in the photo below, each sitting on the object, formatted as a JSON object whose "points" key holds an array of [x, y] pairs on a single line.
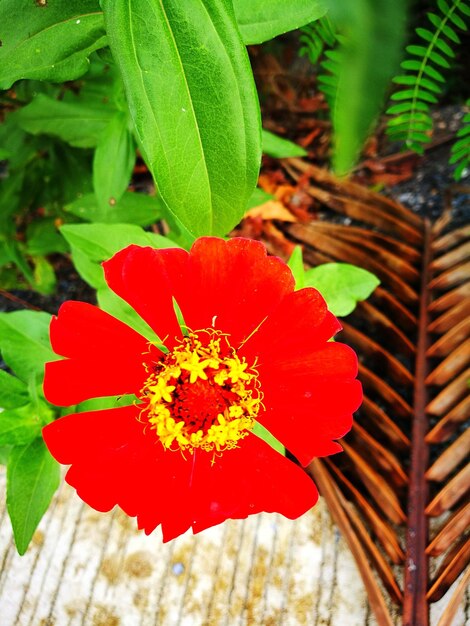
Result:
{"points": [[201, 373]]}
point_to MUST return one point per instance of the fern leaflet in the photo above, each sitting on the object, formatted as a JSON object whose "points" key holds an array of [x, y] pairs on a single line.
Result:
{"points": [[460, 152], [423, 82], [315, 37]]}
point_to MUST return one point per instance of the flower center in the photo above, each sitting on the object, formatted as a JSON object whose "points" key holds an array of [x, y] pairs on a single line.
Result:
{"points": [[201, 395]]}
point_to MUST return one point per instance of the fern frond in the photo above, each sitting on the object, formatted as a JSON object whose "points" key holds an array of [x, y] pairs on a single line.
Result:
{"points": [[460, 151], [315, 37], [423, 81]]}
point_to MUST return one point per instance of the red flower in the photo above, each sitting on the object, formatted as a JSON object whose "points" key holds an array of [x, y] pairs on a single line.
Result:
{"points": [[184, 455]]}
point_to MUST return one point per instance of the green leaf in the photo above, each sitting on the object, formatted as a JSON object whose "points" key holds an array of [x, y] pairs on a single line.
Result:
{"points": [[260, 20], [280, 148], [111, 402], [78, 122], [24, 343], [407, 106], [132, 208], [193, 101], [94, 243], [42, 237], [296, 264], [49, 42], [117, 307], [113, 163], [419, 66], [20, 426], [458, 21], [264, 434], [32, 478], [342, 285], [258, 197], [369, 56], [44, 276], [446, 29], [4, 453], [13, 392]]}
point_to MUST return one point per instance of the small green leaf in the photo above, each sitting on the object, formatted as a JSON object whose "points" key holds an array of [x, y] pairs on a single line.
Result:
{"points": [[261, 20], [132, 208], [280, 148], [32, 478], [342, 285], [49, 42], [24, 343], [113, 163], [260, 431], [13, 391], [296, 264], [194, 104]]}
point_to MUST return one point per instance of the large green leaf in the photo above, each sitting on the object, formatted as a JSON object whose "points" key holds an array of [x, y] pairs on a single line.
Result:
{"points": [[79, 123], [32, 478], [260, 20], [24, 343], [193, 100], [48, 41], [371, 34]]}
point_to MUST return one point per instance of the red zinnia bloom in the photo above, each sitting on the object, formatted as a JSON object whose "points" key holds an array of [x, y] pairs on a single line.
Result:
{"points": [[184, 454]]}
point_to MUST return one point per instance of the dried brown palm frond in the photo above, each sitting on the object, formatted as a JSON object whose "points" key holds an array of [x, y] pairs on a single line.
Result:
{"points": [[400, 492]]}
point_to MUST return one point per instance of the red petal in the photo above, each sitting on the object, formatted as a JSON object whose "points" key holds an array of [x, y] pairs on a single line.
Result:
{"points": [[248, 480], [300, 324], [233, 286], [83, 330], [148, 280], [114, 460], [106, 356], [306, 416]]}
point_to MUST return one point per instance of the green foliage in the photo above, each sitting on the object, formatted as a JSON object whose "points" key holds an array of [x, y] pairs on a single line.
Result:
{"points": [[32, 474], [460, 153], [260, 20], [370, 38], [32, 478], [187, 80], [316, 37], [424, 79], [24, 343]]}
